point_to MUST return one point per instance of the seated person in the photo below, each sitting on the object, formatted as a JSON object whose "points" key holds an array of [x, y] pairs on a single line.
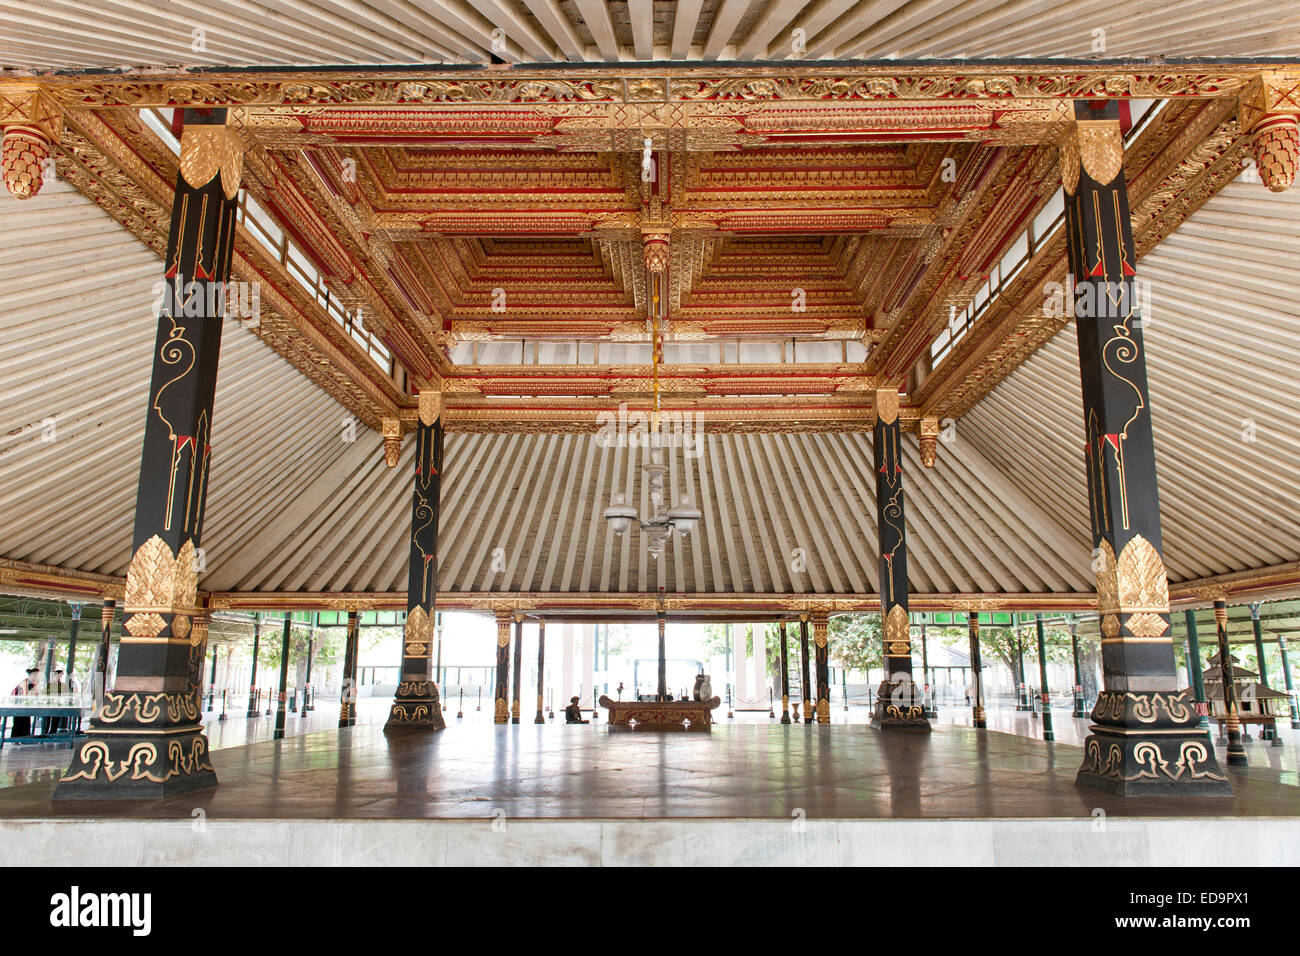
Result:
{"points": [[573, 713]]}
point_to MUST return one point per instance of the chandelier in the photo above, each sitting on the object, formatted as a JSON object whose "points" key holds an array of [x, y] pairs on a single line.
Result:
{"points": [[662, 522]]}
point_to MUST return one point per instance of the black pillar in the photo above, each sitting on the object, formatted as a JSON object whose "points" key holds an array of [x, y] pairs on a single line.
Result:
{"points": [[1194, 666], [147, 739], [1144, 738], [519, 668], [785, 676], [978, 718], [1022, 687], [252, 680], [307, 702], [1078, 678], [1290, 687], [72, 637], [416, 706], [541, 672], [662, 621], [821, 654], [898, 702], [1258, 626], [500, 712], [1227, 678], [212, 681], [284, 677], [1042, 678], [807, 672], [101, 659], [348, 703]]}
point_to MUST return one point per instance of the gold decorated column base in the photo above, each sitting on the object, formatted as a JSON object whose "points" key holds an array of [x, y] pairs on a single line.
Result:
{"points": [[416, 706], [900, 705], [1149, 743], [140, 745]]}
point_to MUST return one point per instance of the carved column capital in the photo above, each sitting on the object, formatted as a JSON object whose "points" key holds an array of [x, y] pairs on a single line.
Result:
{"points": [[32, 124], [391, 429], [928, 435]]}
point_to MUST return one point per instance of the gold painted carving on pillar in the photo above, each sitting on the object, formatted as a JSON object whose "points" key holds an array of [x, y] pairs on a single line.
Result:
{"points": [[430, 405], [1069, 147], [898, 632], [207, 151], [1101, 149], [418, 632], [1143, 588], [1107, 589], [887, 405], [159, 583], [32, 122], [391, 429]]}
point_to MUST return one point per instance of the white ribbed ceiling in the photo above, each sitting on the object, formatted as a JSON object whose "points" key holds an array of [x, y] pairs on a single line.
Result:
{"points": [[294, 506], [54, 34], [1223, 350]]}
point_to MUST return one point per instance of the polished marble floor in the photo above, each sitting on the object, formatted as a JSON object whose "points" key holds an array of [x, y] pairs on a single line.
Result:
{"points": [[756, 769]]}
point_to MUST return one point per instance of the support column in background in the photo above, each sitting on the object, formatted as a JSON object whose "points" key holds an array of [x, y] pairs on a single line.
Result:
{"points": [[761, 686], [147, 740], [518, 685], [1144, 738], [76, 607], [661, 620], [1286, 675], [821, 654], [898, 703], [500, 707], [978, 718], [1194, 665], [1077, 711], [1227, 680], [541, 673], [252, 678], [785, 676], [1046, 696], [741, 664], [588, 676], [284, 678], [348, 700], [807, 671], [105, 642], [417, 704], [566, 663], [1266, 731]]}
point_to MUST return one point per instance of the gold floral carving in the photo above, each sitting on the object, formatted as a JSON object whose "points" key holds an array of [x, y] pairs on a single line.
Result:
{"points": [[898, 632], [886, 406], [418, 633], [1276, 143], [1146, 624], [1101, 149], [1142, 582], [430, 405], [928, 436], [207, 151], [1070, 161], [159, 583], [24, 155], [391, 429]]}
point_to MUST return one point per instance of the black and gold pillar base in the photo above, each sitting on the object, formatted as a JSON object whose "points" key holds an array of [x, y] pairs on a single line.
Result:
{"points": [[140, 745], [416, 706], [900, 705], [1149, 743]]}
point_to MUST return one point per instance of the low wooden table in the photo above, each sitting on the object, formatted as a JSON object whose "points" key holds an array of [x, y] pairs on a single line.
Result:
{"points": [[661, 714]]}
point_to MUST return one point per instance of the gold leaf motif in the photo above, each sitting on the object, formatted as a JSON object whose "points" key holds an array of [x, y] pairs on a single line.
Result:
{"points": [[1142, 582], [144, 625], [1147, 624], [886, 406], [899, 649], [419, 632], [430, 405], [1070, 162], [897, 626], [1109, 625], [181, 625], [209, 150], [1107, 583], [149, 579], [1101, 149]]}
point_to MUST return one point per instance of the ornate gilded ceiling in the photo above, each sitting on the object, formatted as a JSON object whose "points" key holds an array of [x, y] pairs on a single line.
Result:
{"points": [[776, 203]]}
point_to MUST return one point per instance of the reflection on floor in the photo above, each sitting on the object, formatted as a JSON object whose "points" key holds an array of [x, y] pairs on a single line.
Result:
{"points": [[747, 768], [33, 763]]}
